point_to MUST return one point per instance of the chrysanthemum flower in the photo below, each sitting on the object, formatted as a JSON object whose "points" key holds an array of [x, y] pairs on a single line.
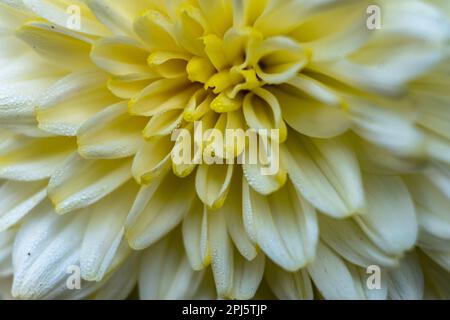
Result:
{"points": [[88, 178]]}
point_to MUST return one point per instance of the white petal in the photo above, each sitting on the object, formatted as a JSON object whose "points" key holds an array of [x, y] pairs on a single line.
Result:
{"points": [[326, 172], [58, 13], [406, 282], [346, 238], [81, 94], [222, 256], [110, 134], [332, 276], [32, 159], [432, 206], [120, 55], [234, 217], [80, 182], [247, 276], [158, 209], [17, 199], [389, 219], [283, 225], [195, 234], [6, 247], [212, 183], [45, 247], [289, 285], [120, 284], [104, 233], [166, 272]]}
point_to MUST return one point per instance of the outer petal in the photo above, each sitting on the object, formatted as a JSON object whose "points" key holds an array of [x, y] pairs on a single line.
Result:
{"points": [[25, 160], [283, 225], [17, 199], [102, 248], [407, 281], [45, 247], [390, 219], [289, 285], [327, 174], [166, 273], [81, 95], [80, 182], [110, 134], [158, 209]]}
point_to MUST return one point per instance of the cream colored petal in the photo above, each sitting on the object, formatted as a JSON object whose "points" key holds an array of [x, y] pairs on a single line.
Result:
{"points": [[162, 95], [121, 283], [332, 276], [315, 89], [184, 158], [222, 255], [100, 250], [152, 160], [53, 43], [439, 175], [406, 282], [234, 217], [31, 159], [332, 41], [442, 258], [118, 16], [157, 31], [79, 183], [437, 147], [411, 41], [165, 273], [56, 11], [289, 285], [120, 55], [67, 104], [195, 236], [247, 276], [283, 225], [163, 124], [128, 86], [212, 183], [6, 246], [389, 218], [349, 240], [17, 199], [282, 17], [110, 134], [438, 281], [45, 247], [278, 59], [261, 161], [168, 64], [387, 124], [262, 112], [331, 185], [158, 209], [312, 118], [23, 79], [432, 206]]}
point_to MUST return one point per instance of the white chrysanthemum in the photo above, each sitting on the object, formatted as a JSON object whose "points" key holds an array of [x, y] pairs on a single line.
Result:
{"points": [[88, 177]]}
